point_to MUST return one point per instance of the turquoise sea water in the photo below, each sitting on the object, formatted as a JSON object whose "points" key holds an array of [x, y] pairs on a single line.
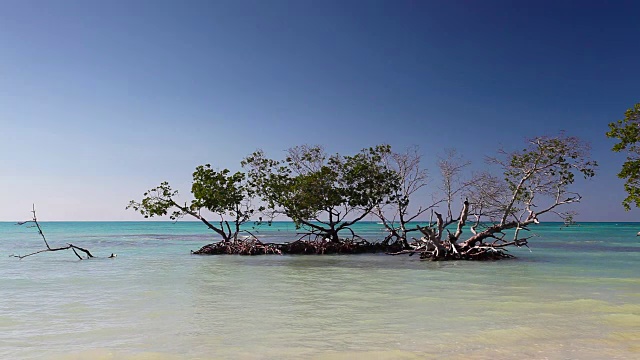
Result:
{"points": [[575, 295]]}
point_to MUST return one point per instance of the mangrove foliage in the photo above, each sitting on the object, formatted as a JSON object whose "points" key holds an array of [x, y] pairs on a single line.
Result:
{"points": [[463, 215]]}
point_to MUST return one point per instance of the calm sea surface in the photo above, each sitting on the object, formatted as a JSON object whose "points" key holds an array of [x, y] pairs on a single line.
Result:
{"points": [[575, 295]]}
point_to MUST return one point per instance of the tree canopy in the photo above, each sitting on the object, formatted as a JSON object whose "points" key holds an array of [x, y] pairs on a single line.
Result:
{"points": [[627, 132], [394, 213], [535, 181], [221, 192], [324, 194]]}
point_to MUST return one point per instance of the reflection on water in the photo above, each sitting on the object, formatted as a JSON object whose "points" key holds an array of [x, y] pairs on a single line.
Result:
{"points": [[155, 301]]}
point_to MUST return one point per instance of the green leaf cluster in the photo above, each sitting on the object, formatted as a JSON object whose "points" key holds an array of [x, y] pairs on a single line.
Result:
{"points": [[220, 192], [157, 201], [326, 193], [627, 132]]}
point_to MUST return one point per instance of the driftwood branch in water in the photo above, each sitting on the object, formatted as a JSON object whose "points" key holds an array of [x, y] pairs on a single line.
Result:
{"points": [[73, 248]]}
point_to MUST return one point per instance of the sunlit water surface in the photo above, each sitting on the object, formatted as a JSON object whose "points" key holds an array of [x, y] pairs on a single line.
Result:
{"points": [[576, 295]]}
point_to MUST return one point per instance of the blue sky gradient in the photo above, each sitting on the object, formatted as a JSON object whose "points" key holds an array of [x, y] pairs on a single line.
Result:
{"points": [[100, 100]]}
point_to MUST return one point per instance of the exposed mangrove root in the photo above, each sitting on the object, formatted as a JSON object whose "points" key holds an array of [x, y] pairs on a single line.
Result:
{"points": [[429, 251], [71, 247], [299, 247], [474, 253], [239, 247], [448, 250], [427, 248]]}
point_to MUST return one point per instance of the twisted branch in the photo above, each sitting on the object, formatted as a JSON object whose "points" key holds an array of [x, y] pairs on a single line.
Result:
{"points": [[73, 248]]}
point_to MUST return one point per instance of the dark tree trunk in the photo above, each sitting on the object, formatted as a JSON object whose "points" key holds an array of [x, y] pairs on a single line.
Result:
{"points": [[333, 236]]}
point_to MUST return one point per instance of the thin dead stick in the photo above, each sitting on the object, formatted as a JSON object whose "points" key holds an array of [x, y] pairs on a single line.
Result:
{"points": [[34, 220]]}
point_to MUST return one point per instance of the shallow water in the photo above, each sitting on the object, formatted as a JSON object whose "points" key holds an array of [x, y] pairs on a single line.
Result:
{"points": [[576, 295]]}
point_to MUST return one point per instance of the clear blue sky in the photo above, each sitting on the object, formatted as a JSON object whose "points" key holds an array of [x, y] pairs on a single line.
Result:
{"points": [[100, 100]]}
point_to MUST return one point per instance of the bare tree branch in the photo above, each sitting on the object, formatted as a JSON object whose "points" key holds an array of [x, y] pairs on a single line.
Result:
{"points": [[73, 248]]}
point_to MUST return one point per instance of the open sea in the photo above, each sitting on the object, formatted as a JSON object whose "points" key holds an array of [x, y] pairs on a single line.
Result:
{"points": [[574, 295]]}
